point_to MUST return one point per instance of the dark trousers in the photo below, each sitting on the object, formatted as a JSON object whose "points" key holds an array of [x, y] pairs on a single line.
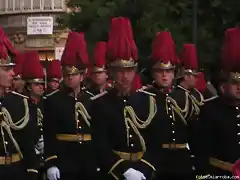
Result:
{"points": [[172, 176], [78, 176], [13, 171]]}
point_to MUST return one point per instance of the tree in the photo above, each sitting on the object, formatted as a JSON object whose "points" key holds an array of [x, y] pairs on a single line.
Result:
{"points": [[151, 16]]}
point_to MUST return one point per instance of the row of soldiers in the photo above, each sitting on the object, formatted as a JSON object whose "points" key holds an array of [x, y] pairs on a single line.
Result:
{"points": [[120, 131]]}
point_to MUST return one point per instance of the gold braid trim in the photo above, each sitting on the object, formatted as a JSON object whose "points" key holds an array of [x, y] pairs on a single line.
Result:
{"points": [[22, 122], [39, 117], [113, 167], [79, 108], [134, 122], [174, 106], [7, 123]]}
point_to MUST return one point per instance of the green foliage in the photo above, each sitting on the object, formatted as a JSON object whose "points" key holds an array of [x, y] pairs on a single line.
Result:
{"points": [[151, 16]]}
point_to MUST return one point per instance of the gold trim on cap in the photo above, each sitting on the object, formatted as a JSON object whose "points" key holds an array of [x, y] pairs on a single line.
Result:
{"points": [[124, 63], [72, 70], [6, 62], [18, 76], [36, 80], [234, 76], [191, 71], [98, 69], [161, 65], [55, 79]]}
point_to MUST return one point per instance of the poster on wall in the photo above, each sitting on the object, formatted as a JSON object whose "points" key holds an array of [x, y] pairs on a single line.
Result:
{"points": [[59, 52], [40, 25]]}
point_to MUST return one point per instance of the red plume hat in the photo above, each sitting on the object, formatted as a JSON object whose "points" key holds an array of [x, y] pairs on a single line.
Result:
{"points": [[188, 58], [164, 55], [18, 68], [32, 68], [99, 57], [54, 71], [121, 47], [231, 55], [6, 50], [75, 58]]}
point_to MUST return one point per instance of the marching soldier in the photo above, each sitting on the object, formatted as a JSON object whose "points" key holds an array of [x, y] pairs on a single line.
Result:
{"points": [[220, 117], [17, 156], [170, 148], [118, 114], [67, 126], [98, 71], [18, 81], [54, 74], [34, 76]]}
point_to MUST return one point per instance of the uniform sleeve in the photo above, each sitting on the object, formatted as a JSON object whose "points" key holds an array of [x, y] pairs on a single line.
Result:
{"points": [[27, 144], [49, 133], [108, 161], [204, 139]]}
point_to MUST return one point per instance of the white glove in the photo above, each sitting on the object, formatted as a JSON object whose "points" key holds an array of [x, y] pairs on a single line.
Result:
{"points": [[132, 174], [53, 173]]}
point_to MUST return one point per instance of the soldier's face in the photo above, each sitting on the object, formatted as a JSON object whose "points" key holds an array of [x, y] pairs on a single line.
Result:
{"points": [[6, 76], [163, 78], [190, 80], [37, 89], [124, 77], [18, 84], [233, 89], [99, 78], [73, 81], [53, 85]]}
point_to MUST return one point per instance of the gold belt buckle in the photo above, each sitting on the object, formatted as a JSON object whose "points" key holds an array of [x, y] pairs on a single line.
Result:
{"points": [[8, 159], [134, 156], [172, 146], [80, 137]]}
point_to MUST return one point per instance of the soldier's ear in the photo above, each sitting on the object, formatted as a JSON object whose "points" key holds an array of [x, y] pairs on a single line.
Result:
{"points": [[222, 88]]}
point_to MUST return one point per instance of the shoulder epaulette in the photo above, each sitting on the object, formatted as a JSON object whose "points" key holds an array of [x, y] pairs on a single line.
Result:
{"points": [[50, 94], [211, 98], [18, 94], [88, 92], [98, 95], [146, 92]]}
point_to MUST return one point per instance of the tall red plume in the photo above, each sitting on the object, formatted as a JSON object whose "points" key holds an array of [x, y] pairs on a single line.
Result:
{"points": [[188, 56], [19, 60], [54, 69], [121, 44], [82, 55], [99, 56], [164, 48], [32, 67]]}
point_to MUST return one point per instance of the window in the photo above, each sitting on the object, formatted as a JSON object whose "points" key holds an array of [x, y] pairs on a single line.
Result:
{"points": [[47, 4], [58, 4], [36, 4], [27, 4], [2, 5], [10, 5], [17, 5]]}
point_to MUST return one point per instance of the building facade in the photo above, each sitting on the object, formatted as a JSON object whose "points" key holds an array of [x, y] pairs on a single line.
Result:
{"points": [[13, 19]]}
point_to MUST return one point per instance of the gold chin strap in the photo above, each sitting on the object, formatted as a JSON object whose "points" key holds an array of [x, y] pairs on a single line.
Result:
{"points": [[8, 124], [132, 120], [79, 108]]}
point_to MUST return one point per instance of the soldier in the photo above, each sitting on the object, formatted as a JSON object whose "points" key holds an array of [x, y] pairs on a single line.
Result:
{"points": [[18, 81], [98, 71], [170, 148], [54, 74], [67, 126], [34, 76], [220, 117], [17, 124], [118, 114]]}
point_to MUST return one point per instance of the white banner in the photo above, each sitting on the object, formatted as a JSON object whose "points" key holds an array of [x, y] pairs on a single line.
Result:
{"points": [[59, 52], [40, 25]]}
